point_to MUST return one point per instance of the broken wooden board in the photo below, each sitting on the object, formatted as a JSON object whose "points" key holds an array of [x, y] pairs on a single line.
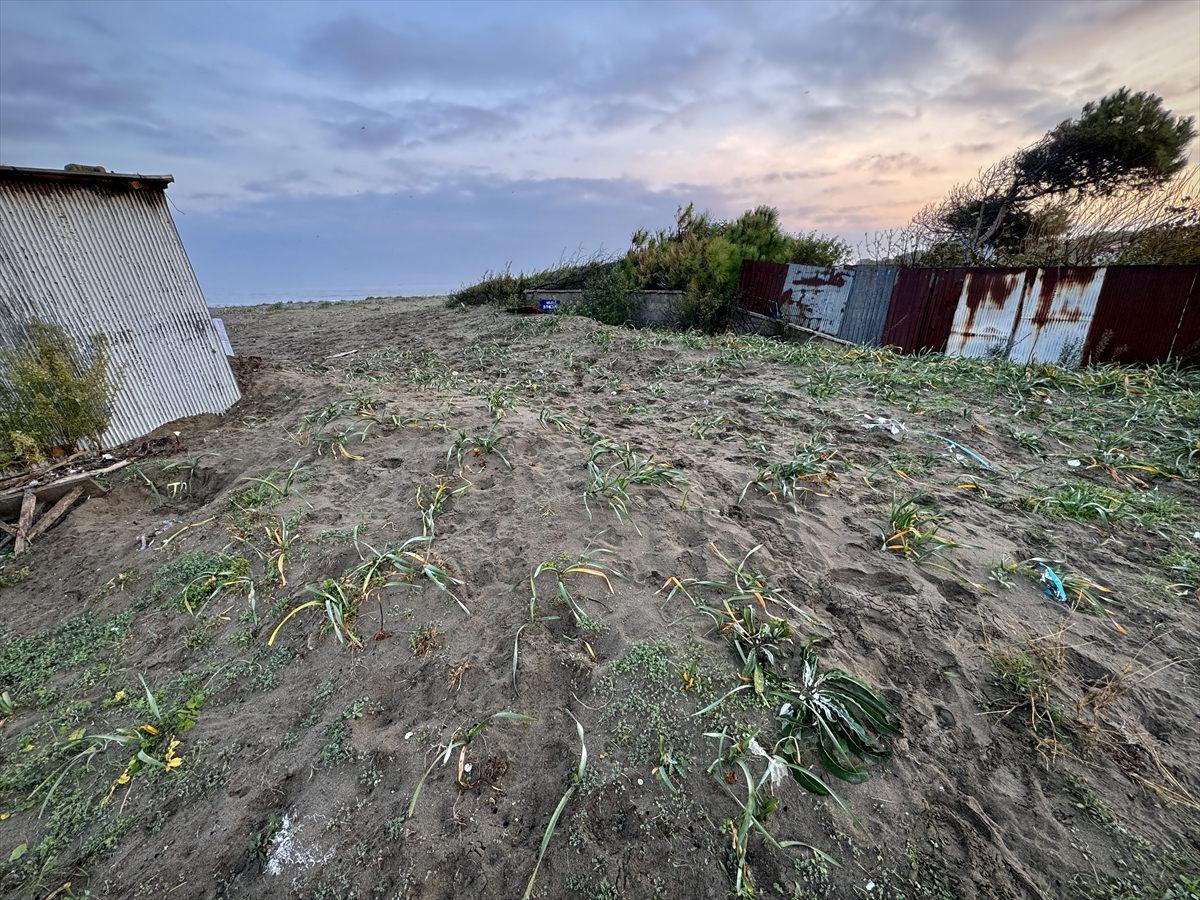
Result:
{"points": [[26, 529], [25, 522], [11, 501]]}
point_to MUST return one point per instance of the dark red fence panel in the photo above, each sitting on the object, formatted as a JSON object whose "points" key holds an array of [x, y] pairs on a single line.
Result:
{"points": [[761, 285], [910, 299], [934, 332], [1145, 314]]}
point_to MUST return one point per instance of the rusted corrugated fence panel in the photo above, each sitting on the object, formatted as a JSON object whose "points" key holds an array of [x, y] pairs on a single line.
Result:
{"points": [[94, 259], [1063, 315], [1145, 314], [815, 296], [1026, 315], [923, 305], [761, 286], [1055, 318], [867, 305], [987, 312], [939, 311]]}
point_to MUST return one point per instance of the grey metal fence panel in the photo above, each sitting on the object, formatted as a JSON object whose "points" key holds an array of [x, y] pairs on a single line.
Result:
{"points": [[814, 296], [867, 304]]}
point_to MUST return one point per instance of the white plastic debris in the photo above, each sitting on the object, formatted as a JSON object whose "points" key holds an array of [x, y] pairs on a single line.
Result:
{"points": [[1074, 463], [776, 770], [889, 425]]}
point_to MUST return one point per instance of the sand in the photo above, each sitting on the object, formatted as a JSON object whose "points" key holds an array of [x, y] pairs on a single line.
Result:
{"points": [[305, 756]]}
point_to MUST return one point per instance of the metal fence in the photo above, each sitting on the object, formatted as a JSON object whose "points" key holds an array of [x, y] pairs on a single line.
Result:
{"points": [[1069, 315]]}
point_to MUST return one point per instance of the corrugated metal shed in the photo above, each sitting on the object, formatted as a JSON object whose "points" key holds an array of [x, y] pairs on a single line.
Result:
{"points": [[814, 297], [99, 253], [867, 305], [1145, 314]]}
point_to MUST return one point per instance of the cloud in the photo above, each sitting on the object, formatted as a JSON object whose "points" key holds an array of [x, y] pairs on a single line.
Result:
{"points": [[413, 123], [366, 52], [314, 139], [901, 162]]}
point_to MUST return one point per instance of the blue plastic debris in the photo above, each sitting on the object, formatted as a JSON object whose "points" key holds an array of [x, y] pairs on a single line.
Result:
{"points": [[966, 451], [1052, 585]]}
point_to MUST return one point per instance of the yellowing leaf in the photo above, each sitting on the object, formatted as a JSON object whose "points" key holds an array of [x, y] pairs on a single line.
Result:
{"points": [[149, 729]]}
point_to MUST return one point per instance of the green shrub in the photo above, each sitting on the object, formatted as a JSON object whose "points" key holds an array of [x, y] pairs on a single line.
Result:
{"points": [[703, 258], [608, 295], [506, 289], [52, 394], [700, 256]]}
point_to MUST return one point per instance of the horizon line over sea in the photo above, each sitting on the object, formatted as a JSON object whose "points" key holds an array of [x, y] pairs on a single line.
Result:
{"points": [[234, 297]]}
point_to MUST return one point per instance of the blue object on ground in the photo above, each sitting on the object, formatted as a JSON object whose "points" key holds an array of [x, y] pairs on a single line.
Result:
{"points": [[1052, 584]]}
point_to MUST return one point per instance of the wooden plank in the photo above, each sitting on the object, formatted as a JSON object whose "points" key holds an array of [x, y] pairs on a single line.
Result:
{"points": [[25, 477], [50, 492], [57, 511], [28, 503]]}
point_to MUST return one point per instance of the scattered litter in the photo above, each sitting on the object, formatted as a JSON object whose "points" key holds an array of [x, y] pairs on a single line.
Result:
{"points": [[890, 425], [965, 451], [1074, 463], [776, 770], [1052, 584], [286, 850]]}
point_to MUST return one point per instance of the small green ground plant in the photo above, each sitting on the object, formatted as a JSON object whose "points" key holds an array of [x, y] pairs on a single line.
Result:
{"points": [[786, 479], [912, 531]]}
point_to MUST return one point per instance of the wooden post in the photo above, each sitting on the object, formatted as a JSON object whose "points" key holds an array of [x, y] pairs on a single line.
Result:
{"points": [[28, 502]]}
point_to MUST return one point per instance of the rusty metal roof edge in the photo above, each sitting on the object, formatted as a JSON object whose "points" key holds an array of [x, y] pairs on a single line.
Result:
{"points": [[122, 179]]}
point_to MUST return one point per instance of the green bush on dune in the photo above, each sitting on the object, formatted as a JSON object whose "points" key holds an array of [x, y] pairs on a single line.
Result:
{"points": [[699, 255]]}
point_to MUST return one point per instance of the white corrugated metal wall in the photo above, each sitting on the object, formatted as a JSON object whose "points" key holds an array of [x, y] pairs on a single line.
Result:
{"points": [[1055, 320], [99, 259], [1033, 315], [814, 297]]}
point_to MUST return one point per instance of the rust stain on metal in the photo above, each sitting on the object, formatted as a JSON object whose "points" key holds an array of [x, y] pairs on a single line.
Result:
{"points": [[836, 279], [1064, 315]]}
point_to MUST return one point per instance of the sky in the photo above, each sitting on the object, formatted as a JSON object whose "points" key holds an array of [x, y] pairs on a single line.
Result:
{"points": [[345, 149]]}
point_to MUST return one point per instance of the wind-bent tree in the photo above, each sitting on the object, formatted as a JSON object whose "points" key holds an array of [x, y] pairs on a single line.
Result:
{"points": [[1120, 145]]}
